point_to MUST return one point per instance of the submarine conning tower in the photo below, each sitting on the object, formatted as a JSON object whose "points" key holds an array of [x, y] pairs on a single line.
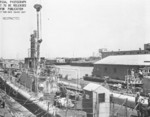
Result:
{"points": [[33, 60]]}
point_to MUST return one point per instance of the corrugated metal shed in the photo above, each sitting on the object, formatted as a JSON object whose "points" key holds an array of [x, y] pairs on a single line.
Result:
{"points": [[126, 60]]}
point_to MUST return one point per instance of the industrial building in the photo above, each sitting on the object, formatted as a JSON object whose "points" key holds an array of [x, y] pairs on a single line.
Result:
{"points": [[117, 67], [104, 53]]}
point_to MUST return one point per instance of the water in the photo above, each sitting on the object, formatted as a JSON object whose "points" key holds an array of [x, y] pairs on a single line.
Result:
{"points": [[75, 71]]}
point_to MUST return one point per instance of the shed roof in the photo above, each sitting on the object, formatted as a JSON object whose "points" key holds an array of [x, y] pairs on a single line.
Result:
{"points": [[126, 60], [91, 87]]}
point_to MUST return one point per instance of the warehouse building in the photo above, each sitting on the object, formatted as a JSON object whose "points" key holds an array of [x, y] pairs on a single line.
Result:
{"points": [[104, 53], [117, 67]]}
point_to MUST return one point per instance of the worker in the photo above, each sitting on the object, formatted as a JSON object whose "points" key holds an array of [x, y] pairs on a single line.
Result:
{"points": [[132, 75], [140, 75], [143, 110], [137, 98], [119, 86], [63, 90], [128, 72], [105, 84], [132, 72], [2, 104]]}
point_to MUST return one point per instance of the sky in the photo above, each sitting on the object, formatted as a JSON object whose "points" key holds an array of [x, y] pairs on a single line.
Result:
{"points": [[77, 28]]}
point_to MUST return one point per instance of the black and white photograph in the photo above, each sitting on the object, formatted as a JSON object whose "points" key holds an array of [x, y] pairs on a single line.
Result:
{"points": [[74, 58]]}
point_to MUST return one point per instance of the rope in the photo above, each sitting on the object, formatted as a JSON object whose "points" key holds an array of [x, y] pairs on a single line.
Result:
{"points": [[37, 110], [120, 107], [39, 113]]}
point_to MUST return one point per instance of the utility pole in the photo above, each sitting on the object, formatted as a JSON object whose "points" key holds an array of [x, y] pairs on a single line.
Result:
{"points": [[67, 105], [126, 107]]}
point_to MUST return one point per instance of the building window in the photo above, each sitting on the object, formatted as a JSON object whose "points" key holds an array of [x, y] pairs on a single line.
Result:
{"points": [[101, 97], [115, 70]]}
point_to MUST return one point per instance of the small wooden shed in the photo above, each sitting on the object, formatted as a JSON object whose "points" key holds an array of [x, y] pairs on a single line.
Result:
{"points": [[96, 100]]}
